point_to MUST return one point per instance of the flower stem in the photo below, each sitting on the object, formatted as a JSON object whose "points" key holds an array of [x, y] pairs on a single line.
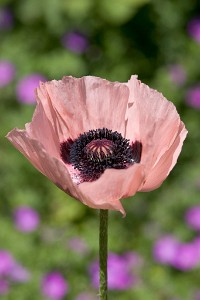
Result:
{"points": [[103, 253]]}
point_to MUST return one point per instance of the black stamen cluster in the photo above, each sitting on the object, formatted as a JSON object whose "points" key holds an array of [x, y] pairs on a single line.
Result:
{"points": [[92, 164]]}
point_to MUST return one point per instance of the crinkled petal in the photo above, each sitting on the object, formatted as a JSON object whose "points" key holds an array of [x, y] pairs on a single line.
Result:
{"points": [[106, 192], [20, 139], [41, 129], [51, 167], [153, 120], [86, 103], [161, 170], [58, 123]]}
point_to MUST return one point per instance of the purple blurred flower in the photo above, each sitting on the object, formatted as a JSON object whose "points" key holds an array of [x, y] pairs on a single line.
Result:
{"points": [[26, 88], [78, 245], [26, 219], [133, 259], [54, 286], [186, 257], [6, 262], [177, 74], [120, 273], [75, 41], [192, 217], [4, 286], [168, 250], [194, 29], [19, 274], [165, 249], [193, 96], [7, 72], [6, 19]]}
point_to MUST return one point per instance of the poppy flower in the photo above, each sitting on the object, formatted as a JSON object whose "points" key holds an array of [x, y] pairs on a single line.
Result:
{"points": [[101, 141]]}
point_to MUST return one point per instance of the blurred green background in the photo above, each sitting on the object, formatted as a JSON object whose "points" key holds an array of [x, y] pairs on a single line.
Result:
{"points": [[111, 39]]}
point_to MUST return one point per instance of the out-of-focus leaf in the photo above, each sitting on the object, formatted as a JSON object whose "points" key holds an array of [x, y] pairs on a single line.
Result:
{"points": [[77, 9], [119, 11], [61, 62]]}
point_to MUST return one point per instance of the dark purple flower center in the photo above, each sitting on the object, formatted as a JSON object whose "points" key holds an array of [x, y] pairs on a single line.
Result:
{"points": [[97, 150]]}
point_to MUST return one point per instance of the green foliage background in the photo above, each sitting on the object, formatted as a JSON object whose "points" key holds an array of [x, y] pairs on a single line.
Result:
{"points": [[126, 37]]}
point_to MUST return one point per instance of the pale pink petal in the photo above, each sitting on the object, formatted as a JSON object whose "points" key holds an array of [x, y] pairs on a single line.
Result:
{"points": [[20, 139], [152, 120], [51, 167], [41, 129], [106, 103], [58, 123], [163, 167], [86, 103], [113, 185]]}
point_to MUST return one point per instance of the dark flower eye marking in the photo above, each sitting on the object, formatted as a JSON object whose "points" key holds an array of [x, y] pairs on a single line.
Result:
{"points": [[136, 151], [65, 148], [97, 150]]}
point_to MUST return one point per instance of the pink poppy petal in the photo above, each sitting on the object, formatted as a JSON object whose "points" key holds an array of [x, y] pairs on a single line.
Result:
{"points": [[102, 99], [86, 103], [20, 139], [113, 185], [51, 167], [58, 123], [153, 120], [41, 129], [166, 163]]}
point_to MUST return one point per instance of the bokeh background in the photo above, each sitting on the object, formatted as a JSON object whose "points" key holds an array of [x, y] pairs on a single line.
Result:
{"points": [[48, 241]]}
